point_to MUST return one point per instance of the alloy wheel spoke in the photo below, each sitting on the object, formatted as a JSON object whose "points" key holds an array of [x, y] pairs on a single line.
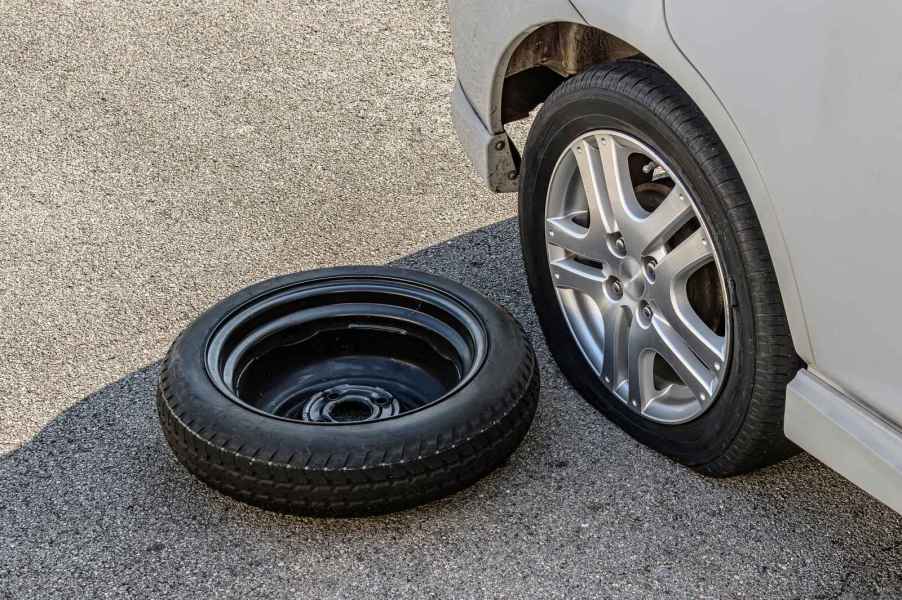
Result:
{"points": [[588, 161], [570, 274], [639, 366], [689, 255], [566, 233], [660, 224], [619, 186], [616, 344], [672, 347], [701, 339], [672, 302]]}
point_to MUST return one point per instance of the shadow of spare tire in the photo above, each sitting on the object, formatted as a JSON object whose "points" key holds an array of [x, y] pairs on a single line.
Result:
{"points": [[348, 391]]}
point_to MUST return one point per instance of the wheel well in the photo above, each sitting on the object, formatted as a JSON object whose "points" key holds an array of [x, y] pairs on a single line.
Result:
{"points": [[548, 56]]}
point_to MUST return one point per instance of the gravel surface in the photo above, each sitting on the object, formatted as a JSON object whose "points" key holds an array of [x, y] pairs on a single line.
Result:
{"points": [[155, 157]]}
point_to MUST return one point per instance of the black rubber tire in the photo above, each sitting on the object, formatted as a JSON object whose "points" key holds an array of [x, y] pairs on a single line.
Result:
{"points": [[743, 430], [355, 469]]}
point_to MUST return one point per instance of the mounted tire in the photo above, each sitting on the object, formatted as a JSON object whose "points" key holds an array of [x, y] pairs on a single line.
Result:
{"points": [[649, 271], [348, 392]]}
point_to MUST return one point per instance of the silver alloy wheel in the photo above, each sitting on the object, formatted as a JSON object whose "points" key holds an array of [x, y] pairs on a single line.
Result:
{"points": [[639, 283]]}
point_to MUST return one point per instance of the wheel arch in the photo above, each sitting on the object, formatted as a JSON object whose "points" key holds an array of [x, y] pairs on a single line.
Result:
{"points": [[543, 58]]}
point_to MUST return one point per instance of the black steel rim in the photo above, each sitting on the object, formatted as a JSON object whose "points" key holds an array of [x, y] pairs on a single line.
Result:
{"points": [[346, 350]]}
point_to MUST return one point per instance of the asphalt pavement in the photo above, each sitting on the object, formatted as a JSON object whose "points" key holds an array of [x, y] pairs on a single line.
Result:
{"points": [[156, 156]]}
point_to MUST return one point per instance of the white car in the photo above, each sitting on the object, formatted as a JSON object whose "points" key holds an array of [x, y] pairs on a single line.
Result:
{"points": [[708, 215]]}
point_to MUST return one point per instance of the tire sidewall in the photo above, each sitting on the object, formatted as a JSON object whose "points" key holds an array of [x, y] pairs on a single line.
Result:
{"points": [[564, 118]]}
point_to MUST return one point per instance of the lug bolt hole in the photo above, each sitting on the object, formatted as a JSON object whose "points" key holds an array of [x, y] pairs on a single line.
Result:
{"points": [[650, 266], [616, 288]]}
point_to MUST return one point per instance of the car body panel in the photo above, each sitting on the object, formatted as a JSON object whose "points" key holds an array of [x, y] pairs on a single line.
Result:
{"points": [[484, 35], [852, 440], [490, 153], [818, 105]]}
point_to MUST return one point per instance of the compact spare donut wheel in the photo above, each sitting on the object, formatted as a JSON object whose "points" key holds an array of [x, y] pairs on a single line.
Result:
{"points": [[348, 391]]}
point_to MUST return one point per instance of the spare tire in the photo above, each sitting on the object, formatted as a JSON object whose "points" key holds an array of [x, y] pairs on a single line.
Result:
{"points": [[348, 391]]}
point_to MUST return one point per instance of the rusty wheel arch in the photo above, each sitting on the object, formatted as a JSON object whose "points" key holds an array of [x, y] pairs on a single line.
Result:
{"points": [[549, 55]]}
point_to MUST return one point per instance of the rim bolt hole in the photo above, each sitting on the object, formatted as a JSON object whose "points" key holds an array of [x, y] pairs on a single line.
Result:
{"points": [[616, 289]]}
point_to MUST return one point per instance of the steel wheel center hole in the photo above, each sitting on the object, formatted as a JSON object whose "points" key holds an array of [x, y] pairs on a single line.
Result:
{"points": [[350, 409]]}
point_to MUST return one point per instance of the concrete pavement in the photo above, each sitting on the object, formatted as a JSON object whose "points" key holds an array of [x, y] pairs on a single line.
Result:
{"points": [[157, 156]]}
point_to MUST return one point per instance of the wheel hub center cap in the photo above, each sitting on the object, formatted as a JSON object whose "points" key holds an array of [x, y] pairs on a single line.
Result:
{"points": [[633, 278]]}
